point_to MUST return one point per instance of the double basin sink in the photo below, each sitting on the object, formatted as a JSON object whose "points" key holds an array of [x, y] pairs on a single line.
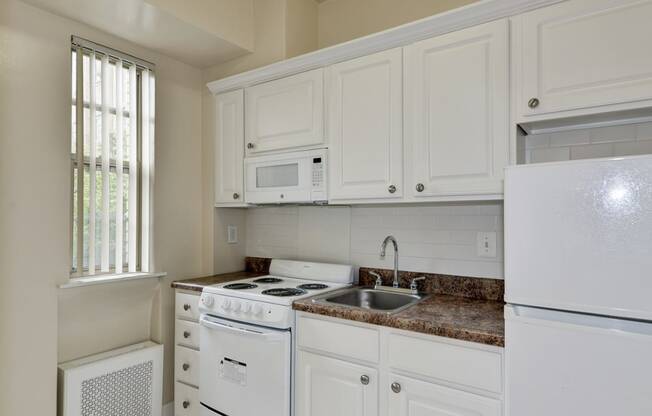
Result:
{"points": [[373, 299]]}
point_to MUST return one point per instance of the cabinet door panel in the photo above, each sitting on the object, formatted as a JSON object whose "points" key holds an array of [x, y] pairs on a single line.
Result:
{"points": [[419, 398], [366, 126], [584, 53], [327, 386], [285, 113], [457, 112], [229, 149]]}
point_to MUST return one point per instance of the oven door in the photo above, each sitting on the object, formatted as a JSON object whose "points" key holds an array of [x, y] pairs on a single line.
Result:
{"points": [[245, 369]]}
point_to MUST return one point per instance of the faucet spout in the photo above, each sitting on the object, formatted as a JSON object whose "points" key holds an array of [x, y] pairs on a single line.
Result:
{"points": [[383, 246]]}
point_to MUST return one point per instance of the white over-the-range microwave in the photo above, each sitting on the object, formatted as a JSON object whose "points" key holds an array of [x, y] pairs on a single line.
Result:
{"points": [[293, 177]]}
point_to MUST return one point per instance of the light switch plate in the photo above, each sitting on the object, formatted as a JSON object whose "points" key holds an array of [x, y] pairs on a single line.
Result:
{"points": [[232, 234], [486, 244]]}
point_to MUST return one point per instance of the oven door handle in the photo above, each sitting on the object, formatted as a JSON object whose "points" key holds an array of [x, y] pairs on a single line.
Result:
{"points": [[274, 335]]}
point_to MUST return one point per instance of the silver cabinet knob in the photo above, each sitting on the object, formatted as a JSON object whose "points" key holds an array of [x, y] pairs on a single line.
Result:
{"points": [[282, 196], [396, 388], [533, 102], [186, 334], [391, 189], [185, 366], [364, 379], [186, 307], [236, 195], [420, 187], [250, 145], [185, 404]]}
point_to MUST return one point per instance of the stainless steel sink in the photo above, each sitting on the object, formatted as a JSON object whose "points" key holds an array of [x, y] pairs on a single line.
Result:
{"points": [[370, 299]]}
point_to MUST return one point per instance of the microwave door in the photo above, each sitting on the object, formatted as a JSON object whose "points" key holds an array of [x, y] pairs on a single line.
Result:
{"points": [[279, 181]]}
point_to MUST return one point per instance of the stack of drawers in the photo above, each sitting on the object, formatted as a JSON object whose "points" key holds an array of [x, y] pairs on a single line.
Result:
{"points": [[186, 354]]}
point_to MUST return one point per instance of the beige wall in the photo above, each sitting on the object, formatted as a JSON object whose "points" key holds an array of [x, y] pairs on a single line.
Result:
{"points": [[343, 20], [35, 219], [301, 19]]}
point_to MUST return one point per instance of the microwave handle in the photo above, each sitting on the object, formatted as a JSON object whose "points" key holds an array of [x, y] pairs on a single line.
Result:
{"points": [[272, 335]]}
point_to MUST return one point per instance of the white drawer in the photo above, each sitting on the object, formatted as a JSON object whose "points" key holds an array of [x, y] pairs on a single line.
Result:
{"points": [[187, 306], [347, 340], [186, 400], [450, 362], [186, 333], [186, 365]]}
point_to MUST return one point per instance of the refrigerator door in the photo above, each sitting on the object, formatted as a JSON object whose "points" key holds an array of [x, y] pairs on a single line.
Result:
{"points": [[578, 236], [566, 364]]}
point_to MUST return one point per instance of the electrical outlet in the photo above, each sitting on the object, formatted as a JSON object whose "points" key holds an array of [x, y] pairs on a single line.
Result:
{"points": [[232, 234], [486, 244]]}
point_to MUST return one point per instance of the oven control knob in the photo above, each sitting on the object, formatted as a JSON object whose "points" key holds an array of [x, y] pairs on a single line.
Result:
{"points": [[226, 304], [236, 306], [258, 310], [207, 301]]}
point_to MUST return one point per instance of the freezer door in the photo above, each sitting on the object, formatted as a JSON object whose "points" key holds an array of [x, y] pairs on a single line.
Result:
{"points": [[578, 236], [245, 369], [566, 364]]}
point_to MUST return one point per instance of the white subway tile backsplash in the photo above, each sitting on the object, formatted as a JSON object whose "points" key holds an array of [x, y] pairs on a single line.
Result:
{"points": [[644, 131], [538, 140], [569, 138], [432, 238], [551, 154], [643, 147], [613, 133], [590, 151]]}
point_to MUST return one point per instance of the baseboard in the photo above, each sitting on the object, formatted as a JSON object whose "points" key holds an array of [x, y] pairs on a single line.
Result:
{"points": [[168, 409]]}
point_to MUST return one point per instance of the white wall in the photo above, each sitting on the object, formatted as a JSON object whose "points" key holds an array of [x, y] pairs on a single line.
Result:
{"points": [[625, 140], [432, 238], [40, 324]]}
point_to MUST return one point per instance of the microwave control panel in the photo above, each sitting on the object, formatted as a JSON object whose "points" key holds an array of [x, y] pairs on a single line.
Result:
{"points": [[318, 178]]}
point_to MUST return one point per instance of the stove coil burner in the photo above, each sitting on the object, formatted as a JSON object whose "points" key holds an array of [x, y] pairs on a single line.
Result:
{"points": [[284, 291], [313, 286], [268, 280], [240, 286]]}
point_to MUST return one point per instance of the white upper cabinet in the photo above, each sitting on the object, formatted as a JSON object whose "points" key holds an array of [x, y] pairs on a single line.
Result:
{"points": [[365, 127], [229, 149], [411, 397], [457, 113], [286, 113], [328, 387], [582, 55]]}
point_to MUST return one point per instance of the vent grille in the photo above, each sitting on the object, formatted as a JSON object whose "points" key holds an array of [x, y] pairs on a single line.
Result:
{"points": [[124, 392]]}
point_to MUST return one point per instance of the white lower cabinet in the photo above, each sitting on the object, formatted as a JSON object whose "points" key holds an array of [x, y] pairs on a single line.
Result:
{"points": [[408, 374], [328, 386], [186, 354]]}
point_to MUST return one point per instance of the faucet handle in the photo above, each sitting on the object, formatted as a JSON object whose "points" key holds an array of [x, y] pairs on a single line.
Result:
{"points": [[379, 280], [413, 285]]}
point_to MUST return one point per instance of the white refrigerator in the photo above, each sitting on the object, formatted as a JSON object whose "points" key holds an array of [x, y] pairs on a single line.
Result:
{"points": [[578, 283]]}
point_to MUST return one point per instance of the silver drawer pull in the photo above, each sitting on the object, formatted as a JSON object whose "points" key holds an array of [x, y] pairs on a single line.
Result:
{"points": [[186, 307], [396, 388], [364, 379], [185, 366], [533, 102], [185, 404], [186, 334]]}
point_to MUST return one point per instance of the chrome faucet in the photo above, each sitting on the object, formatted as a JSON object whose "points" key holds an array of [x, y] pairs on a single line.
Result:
{"points": [[382, 255]]}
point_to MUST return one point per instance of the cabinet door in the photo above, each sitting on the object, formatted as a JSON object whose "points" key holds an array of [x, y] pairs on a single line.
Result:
{"points": [[410, 397], [583, 53], [457, 112], [366, 126], [229, 149], [286, 113], [327, 386]]}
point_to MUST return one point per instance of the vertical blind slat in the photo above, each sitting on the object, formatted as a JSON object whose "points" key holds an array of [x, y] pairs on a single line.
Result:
{"points": [[105, 165], [145, 128], [79, 148], [119, 166], [92, 154], [133, 172]]}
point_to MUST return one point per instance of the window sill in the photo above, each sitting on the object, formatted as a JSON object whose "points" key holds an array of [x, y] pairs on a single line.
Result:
{"points": [[108, 278]]}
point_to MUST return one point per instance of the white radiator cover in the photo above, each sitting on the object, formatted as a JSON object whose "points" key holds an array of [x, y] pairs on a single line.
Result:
{"points": [[126, 381]]}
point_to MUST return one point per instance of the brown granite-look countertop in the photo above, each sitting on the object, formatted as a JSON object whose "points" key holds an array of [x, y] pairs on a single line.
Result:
{"points": [[458, 307], [254, 267]]}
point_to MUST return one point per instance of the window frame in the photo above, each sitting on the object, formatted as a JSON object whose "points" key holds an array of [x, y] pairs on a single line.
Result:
{"points": [[79, 162]]}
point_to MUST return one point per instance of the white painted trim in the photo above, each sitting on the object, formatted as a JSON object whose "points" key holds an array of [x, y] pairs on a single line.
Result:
{"points": [[471, 15], [108, 278], [168, 409]]}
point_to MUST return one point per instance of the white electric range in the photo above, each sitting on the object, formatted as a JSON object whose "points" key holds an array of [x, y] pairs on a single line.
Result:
{"points": [[247, 337]]}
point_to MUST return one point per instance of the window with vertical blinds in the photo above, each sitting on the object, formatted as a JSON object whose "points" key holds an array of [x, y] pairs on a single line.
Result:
{"points": [[112, 148]]}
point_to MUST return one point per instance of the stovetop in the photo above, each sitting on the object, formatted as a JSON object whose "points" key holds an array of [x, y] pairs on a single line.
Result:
{"points": [[273, 289]]}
